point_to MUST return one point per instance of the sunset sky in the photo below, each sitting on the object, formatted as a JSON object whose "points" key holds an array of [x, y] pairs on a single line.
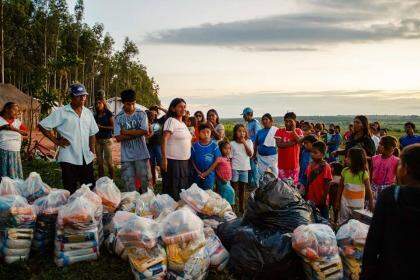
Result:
{"points": [[321, 57]]}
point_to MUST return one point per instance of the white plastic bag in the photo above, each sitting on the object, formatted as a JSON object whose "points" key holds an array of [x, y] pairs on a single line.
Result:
{"points": [[218, 254], [162, 202], [143, 204], [77, 214], [182, 226], [195, 197], [51, 203], [106, 189], [34, 187], [128, 201], [9, 186], [139, 232]]}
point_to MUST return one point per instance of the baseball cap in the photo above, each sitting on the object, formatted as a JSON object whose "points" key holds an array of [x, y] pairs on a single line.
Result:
{"points": [[77, 90], [247, 111]]}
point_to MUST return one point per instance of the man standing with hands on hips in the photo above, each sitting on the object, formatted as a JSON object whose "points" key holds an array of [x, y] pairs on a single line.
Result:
{"points": [[77, 128]]}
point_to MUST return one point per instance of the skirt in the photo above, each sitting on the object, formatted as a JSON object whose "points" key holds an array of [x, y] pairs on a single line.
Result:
{"points": [[10, 164], [176, 177]]}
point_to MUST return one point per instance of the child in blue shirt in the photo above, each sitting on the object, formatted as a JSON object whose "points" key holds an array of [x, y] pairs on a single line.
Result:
{"points": [[203, 154], [305, 158]]}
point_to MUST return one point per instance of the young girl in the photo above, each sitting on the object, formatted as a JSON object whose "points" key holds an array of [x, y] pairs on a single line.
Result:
{"points": [[393, 238], [242, 151], [354, 185], [223, 172], [384, 165], [11, 132], [336, 169]]}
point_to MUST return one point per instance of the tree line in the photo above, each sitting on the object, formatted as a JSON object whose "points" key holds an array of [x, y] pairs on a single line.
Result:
{"points": [[45, 48]]}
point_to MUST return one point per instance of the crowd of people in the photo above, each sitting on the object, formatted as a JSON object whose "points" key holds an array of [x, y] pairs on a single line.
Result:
{"points": [[337, 173]]}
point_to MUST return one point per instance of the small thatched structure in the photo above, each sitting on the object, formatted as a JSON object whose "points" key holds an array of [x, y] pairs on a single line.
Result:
{"points": [[30, 115]]}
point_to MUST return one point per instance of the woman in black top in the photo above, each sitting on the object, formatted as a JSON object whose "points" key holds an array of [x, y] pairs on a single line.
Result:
{"points": [[360, 138], [393, 242], [104, 119]]}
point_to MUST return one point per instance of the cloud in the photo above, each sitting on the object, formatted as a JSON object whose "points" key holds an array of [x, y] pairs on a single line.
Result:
{"points": [[345, 21]]}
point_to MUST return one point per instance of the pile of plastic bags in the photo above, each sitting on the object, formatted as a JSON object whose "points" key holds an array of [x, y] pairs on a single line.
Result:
{"points": [[10, 186], [110, 195], [144, 203], [17, 221], [78, 228], [128, 201], [351, 238], [47, 208], [260, 244], [317, 245]]}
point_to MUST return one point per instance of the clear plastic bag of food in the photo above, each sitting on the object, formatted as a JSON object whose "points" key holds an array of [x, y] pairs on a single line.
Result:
{"points": [[77, 214], [351, 239], [106, 189], [96, 200], [9, 186], [51, 203], [314, 242], [144, 203], [162, 202], [195, 197], [148, 263], [216, 205], [16, 212], [194, 267], [34, 188], [182, 226], [128, 201], [218, 254], [139, 232]]}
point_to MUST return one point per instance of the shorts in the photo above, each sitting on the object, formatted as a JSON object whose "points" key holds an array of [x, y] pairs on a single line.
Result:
{"points": [[155, 152], [103, 149], [240, 176]]}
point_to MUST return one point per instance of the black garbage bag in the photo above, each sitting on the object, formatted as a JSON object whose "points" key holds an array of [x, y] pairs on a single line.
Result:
{"points": [[227, 232], [277, 206], [263, 255]]}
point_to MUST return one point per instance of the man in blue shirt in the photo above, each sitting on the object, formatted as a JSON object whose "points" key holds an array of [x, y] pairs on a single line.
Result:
{"points": [[253, 125], [77, 127], [130, 128], [203, 155], [410, 138]]}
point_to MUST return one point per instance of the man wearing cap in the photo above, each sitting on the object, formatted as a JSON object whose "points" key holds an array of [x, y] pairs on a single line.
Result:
{"points": [[253, 125], [77, 128]]}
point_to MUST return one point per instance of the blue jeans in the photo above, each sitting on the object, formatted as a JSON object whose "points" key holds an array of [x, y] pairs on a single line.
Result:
{"points": [[140, 169]]}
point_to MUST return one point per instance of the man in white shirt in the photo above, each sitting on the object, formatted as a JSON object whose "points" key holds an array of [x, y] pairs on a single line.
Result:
{"points": [[77, 128]]}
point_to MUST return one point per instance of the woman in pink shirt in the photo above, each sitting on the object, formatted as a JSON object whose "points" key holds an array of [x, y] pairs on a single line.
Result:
{"points": [[384, 165]]}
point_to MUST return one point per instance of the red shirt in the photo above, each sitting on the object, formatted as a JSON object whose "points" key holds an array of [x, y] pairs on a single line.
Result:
{"points": [[224, 169], [318, 186], [288, 157]]}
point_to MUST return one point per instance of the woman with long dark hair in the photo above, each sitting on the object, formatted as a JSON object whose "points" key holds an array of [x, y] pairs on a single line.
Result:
{"points": [[11, 132], [217, 129], [176, 150], [360, 138], [103, 147]]}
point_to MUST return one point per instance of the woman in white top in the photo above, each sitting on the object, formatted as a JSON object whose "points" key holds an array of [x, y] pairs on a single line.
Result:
{"points": [[11, 132], [217, 129], [176, 150]]}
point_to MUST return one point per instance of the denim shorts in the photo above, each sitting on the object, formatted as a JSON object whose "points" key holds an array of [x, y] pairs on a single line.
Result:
{"points": [[239, 176]]}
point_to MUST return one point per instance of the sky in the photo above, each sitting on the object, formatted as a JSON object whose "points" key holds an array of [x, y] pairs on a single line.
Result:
{"points": [[314, 57]]}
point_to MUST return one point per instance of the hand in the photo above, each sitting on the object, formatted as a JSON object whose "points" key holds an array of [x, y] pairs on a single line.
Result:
{"points": [[204, 175], [243, 141], [164, 166], [123, 131], [62, 142], [279, 141]]}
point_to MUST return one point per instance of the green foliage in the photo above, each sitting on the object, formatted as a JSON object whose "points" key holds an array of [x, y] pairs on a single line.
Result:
{"points": [[47, 48]]}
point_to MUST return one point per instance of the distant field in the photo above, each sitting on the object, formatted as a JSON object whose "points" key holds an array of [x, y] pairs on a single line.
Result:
{"points": [[395, 124]]}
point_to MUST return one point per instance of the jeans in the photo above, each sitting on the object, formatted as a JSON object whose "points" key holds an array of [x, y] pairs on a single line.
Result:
{"points": [[140, 169]]}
